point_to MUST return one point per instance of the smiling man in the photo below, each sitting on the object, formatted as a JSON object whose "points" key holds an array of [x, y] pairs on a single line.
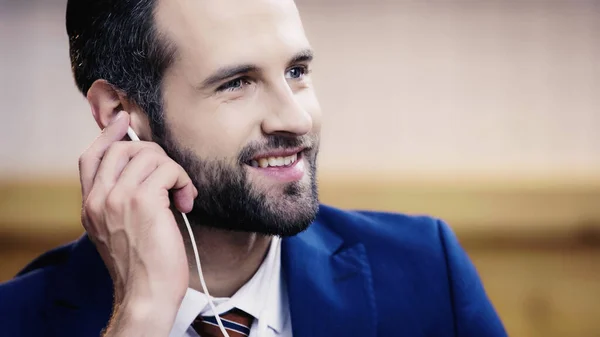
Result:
{"points": [[220, 93]]}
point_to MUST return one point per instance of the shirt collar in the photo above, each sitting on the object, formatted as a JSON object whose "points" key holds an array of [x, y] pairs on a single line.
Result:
{"points": [[263, 296]]}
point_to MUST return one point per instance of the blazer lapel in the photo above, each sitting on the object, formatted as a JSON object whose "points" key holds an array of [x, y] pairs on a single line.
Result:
{"points": [[329, 285], [81, 298]]}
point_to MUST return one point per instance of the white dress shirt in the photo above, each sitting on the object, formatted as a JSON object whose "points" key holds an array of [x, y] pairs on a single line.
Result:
{"points": [[264, 297]]}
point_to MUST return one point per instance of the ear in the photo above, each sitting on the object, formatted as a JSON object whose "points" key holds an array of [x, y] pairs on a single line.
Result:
{"points": [[106, 101]]}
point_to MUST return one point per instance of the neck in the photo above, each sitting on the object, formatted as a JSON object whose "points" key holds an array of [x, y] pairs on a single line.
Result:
{"points": [[228, 259]]}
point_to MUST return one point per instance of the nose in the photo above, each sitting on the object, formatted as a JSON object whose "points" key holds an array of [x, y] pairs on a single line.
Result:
{"points": [[286, 115]]}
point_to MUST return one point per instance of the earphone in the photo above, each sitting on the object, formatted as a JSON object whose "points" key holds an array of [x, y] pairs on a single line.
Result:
{"points": [[132, 135]]}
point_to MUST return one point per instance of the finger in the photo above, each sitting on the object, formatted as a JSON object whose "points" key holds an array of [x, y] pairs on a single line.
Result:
{"points": [[171, 176], [91, 158], [117, 157], [139, 168]]}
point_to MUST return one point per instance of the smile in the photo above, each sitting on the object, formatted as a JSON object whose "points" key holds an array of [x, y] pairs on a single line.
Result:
{"points": [[281, 166], [275, 161]]}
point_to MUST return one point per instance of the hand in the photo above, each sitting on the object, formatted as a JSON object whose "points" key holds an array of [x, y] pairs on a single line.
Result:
{"points": [[126, 213]]}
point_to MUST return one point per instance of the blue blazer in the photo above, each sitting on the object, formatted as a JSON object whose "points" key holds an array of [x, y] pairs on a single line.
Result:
{"points": [[361, 274]]}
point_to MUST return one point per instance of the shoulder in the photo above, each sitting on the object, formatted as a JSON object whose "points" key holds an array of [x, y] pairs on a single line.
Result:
{"points": [[415, 232], [418, 259], [398, 246], [23, 297], [407, 260]]}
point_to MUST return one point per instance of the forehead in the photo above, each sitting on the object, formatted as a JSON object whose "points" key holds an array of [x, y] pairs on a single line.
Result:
{"points": [[218, 32]]}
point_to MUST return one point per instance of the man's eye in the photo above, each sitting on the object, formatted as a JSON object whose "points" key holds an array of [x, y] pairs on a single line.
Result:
{"points": [[296, 72], [234, 85]]}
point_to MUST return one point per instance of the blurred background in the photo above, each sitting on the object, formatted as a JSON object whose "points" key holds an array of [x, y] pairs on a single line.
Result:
{"points": [[484, 113]]}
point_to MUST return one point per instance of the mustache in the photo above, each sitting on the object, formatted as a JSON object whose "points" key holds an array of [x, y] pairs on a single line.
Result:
{"points": [[276, 142]]}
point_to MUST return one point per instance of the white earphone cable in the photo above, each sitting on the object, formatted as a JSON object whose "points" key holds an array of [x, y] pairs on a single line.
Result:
{"points": [[134, 137]]}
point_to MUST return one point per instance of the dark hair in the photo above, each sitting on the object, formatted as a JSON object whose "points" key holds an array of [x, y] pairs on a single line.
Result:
{"points": [[117, 40]]}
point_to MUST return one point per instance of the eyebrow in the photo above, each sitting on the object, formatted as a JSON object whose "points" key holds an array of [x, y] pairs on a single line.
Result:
{"points": [[305, 55], [227, 72]]}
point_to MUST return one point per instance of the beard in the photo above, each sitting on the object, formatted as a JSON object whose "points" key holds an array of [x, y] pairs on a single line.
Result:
{"points": [[228, 200]]}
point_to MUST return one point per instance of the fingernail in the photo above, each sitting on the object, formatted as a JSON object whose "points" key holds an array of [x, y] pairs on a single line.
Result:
{"points": [[116, 117]]}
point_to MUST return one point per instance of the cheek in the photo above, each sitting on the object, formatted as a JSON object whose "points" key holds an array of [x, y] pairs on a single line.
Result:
{"points": [[215, 137], [212, 129], [237, 122]]}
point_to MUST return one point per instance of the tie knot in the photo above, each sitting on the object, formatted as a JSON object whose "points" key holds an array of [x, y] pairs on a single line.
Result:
{"points": [[237, 323]]}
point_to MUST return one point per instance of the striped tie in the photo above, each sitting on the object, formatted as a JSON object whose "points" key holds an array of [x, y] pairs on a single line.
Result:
{"points": [[236, 322]]}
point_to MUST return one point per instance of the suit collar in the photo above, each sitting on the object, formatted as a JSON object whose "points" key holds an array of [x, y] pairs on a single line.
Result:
{"points": [[330, 287]]}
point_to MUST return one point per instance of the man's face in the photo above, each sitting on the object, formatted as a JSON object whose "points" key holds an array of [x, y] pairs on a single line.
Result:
{"points": [[241, 114]]}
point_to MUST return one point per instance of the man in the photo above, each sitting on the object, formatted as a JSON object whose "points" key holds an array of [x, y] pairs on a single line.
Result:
{"points": [[220, 94]]}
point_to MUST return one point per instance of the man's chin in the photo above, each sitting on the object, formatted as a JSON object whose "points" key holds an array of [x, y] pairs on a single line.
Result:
{"points": [[290, 222], [284, 212], [273, 225]]}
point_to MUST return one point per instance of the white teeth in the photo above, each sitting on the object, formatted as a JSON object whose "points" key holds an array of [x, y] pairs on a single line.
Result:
{"points": [[274, 161]]}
